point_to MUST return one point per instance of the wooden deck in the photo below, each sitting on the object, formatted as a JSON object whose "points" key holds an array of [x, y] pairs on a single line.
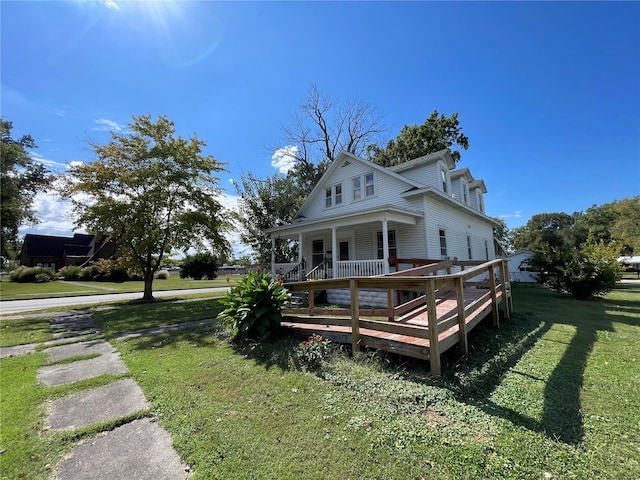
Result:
{"points": [[457, 303]]}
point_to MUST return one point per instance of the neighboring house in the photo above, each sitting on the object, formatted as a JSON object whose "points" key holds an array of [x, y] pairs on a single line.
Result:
{"points": [[519, 268], [631, 262], [360, 216], [57, 252]]}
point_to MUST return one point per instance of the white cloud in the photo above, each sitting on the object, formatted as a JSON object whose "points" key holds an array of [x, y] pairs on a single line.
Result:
{"points": [[106, 125], [111, 4], [50, 164], [51, 210], [516, 214], [284, 159]]}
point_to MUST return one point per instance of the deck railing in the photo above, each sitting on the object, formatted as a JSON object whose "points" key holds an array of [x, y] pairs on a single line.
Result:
{"points": [[289, 272], [490, 279]]}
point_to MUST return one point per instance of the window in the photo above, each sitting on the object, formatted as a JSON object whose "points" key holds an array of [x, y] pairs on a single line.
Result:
{"points": [[480, 205], [486, 249], [469, 247], [443, 242], [357, 192], [465, 193], [333, 196], [369, 186], [393, 250], [443, 176]]}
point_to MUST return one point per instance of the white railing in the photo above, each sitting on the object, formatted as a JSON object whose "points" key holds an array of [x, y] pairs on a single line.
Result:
{"points": [[359, 268]]}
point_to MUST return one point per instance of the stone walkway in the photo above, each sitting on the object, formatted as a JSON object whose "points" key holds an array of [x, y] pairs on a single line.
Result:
{"points": [[138, 449]]}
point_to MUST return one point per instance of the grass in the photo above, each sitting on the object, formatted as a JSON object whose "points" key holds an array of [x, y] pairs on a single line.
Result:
{"points": [[552, 394], [21, 291]]}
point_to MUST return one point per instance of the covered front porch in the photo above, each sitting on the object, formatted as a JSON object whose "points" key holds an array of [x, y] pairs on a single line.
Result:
{"points": [[355, 245]]}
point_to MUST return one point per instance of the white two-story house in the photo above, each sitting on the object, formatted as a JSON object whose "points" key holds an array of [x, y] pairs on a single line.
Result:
{"points": [[360, 216]]}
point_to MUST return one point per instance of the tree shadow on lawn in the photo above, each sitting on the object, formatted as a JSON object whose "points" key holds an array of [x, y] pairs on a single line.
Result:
{"points": [[498, 352]]}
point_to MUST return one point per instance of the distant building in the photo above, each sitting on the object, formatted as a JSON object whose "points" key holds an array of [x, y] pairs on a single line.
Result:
{"points": [[56, 252], [520, 270]]}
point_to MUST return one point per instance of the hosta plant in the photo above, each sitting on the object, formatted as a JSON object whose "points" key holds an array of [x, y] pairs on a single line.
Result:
{"points": [[254, 306]]}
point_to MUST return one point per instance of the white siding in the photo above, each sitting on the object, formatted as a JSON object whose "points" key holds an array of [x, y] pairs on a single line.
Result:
{"points": [[386, 192], [457, 225]]}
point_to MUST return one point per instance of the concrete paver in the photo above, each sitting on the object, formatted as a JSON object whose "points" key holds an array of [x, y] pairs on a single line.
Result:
{"points": [[61, 352], [140, 450], [17, 350], [81, 370], [97, 405]]}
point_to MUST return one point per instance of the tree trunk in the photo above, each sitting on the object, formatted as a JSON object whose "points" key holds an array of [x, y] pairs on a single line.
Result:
{"points": [[148, 287]]}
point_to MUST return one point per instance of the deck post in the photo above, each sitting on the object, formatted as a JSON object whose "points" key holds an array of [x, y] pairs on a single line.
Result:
{"points": [[432, 324], [390, 304], [504, 278], [462, 323], [311, 302], [355, 316], [494, 299]]}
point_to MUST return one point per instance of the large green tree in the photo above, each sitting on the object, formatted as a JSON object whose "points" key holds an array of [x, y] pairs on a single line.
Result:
{"points": [[544, 229], [20, 179], [436, 133], [153, 192]]}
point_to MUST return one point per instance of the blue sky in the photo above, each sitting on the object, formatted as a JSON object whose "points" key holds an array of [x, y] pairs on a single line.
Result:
{"points": [[548, 93]]}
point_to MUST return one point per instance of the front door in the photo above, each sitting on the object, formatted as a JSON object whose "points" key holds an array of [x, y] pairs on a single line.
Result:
{"points": [[317, 252], [344, 251]]}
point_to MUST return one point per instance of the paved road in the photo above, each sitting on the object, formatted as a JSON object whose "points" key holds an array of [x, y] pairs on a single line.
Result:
{"points": [[17, 306]]}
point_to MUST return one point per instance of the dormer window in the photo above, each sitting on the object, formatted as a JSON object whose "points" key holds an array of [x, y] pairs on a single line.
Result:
{"points": [[369, 186], [443, 177], [480, 205], [465, 193]]}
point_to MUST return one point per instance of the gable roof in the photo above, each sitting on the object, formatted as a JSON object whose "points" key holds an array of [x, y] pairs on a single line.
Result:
{"points": [[443, 154], [478, 184], [340, 160], [462, 172]]}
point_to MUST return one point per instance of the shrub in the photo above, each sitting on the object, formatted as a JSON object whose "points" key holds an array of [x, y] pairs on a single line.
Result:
{"points": [[582, 272], [313, 351], [71, 272], [254, 306], [31, 275], [199, 266], [162, 275]]}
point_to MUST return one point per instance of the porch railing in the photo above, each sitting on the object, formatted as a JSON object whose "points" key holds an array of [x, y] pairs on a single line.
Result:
{"points": [[289, 272], [320, 272], [359, 268]]}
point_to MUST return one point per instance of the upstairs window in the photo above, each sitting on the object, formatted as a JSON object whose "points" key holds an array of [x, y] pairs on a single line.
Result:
{"points": [[465, 193], [469, 247], [333, 195], [480, 204], [443, 241], [368, 181], [443, 178], [357, 191], [368, 184]]}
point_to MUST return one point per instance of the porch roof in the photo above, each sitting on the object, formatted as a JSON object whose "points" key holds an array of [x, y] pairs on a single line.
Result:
{"points": [[388, 212]]}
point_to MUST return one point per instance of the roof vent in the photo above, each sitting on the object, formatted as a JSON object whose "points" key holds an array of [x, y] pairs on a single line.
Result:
{"points": [[346, 163]]}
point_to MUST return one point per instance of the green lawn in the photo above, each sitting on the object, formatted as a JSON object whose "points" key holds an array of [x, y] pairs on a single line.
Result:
{"points": [[552, 394], [21, 291]]}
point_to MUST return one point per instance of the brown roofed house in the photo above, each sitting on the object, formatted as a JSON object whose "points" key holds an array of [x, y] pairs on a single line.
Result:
{"points": [[56, 252]]}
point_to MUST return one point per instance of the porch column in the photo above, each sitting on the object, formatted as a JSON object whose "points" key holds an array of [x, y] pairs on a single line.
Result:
{"points": [[300, 272], [385, 245], [334, 253], [273, 256]]}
